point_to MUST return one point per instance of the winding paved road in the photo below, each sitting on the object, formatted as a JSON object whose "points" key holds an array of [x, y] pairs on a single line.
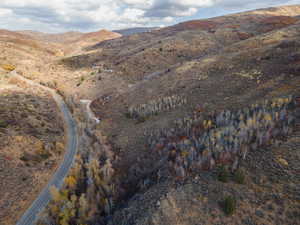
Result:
{"points": [[30, 216]]}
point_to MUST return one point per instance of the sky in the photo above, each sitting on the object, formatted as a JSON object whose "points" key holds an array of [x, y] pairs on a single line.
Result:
{"points": [[56, 16]]}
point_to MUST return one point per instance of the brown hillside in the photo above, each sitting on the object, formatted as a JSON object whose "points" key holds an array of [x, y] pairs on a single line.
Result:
{"points": [[31, 146], [99, 36], [92, 38], [70, 42], [138, 56], [57, 38]]}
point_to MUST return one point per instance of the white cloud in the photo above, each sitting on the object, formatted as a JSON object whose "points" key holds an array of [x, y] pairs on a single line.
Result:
{"points": [[5, 12], [85, 15]]}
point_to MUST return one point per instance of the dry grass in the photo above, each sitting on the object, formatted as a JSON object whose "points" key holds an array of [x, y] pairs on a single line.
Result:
{"points": [[31, 135]]}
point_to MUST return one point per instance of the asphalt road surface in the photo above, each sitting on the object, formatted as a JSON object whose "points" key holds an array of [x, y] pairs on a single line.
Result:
{"points": [[31, 215]]}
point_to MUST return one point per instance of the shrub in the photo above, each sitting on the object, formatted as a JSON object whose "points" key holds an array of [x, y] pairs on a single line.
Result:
{"points": [[223, 174], [127, 115], [45, 155], [52, 85], [59, 92], [3, 124], [82, 79], [8, 67], [229, 205], [141, 119], [24, 158], [239, 177]]}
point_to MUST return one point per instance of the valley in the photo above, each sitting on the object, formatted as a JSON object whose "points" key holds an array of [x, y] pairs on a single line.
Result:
{"points": [[196, 123]]}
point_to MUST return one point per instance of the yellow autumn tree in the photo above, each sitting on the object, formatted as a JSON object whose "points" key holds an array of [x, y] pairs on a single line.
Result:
{"points": [[56, 196], [70, 182]]}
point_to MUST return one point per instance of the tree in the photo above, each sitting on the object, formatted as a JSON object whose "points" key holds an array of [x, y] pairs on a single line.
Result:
{"points": [[55, 194], [83, 209], [71, 182]]}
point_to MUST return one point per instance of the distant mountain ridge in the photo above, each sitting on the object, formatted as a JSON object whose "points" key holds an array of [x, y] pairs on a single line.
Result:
{"points": [[136, 30], [71, 41], [71, 36], [57, 38]]}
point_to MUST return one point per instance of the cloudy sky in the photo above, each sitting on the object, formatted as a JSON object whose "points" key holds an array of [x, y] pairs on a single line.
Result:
{"points": [[91, 15]]}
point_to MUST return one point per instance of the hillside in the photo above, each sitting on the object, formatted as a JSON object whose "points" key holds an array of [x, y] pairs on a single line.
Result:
{"points": [[72, 42], [139, 55], [29, 56], [93, 38], [31, 128], [58, 38], [71, 37], [31, 145], [221, 63], [34, 54]]}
